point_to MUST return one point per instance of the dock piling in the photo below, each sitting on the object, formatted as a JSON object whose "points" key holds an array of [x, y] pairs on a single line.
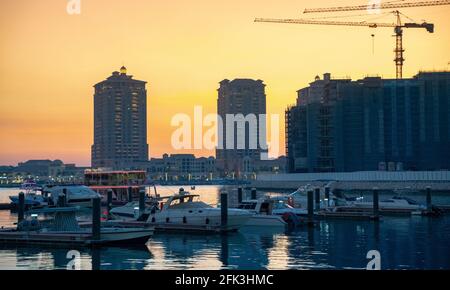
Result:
{"points": [[240, 195], [224, 210], [317, 198], [96, 223], [429, 201], [21, 209], [109, 202], [253, 196], [310, 205], [376, 209], [62, 199], [130, 194], [327, 195], [141, 201]]}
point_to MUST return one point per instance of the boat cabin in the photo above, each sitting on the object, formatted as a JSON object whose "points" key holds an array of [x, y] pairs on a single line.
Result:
{"points": [[262, 206]]}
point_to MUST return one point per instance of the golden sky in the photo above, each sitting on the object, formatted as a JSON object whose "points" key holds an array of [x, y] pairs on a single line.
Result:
{"points": [[49, 61]]}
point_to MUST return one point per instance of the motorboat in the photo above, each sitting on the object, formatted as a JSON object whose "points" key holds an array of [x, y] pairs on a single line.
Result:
{"points": [[394, 203], [32, 196], [183, 212], [76, 195], [281, 207], [131, 211], [271, 213], [59, 225], [32, 199], [298, 197]]}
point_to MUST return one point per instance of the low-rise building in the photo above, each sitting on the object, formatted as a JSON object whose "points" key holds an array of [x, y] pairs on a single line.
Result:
{"points": [[178, 167]]}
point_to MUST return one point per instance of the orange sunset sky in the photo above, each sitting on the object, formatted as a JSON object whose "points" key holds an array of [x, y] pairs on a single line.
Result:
{"points": [[49, 61]]}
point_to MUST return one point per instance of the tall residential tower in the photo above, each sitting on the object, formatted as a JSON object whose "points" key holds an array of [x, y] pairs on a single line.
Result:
{"points": [[247, 98], [120, 122]]}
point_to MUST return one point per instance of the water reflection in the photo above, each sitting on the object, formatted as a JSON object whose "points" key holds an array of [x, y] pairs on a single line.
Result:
{"points": [[404, 243]]}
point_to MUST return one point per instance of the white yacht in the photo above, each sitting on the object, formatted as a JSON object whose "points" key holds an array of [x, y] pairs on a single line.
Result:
{"points": [[394, 203], [264, 214], [76, 195], [183, 212]]}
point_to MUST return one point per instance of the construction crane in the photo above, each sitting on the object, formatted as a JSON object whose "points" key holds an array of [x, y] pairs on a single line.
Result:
{"points": [[398, 26], [388, 5]]}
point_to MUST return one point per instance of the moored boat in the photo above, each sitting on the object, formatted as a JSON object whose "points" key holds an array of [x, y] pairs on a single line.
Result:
{"points": [[271, 213], [32, 196], [60, 226], [75, 195], [183, 212]]}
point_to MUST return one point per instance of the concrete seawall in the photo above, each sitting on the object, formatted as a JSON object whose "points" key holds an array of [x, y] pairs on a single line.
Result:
{"points": [[352, 185], [437, 180]]}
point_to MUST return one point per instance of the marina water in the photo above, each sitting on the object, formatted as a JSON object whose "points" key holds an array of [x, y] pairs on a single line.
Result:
{"points": [[404, 243]]}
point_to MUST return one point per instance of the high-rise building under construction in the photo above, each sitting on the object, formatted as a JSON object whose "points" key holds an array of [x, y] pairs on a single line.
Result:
{"points": [[340, 125]]}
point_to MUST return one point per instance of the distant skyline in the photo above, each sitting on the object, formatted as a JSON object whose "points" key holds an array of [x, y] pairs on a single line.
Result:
{"points": [[50, 60]]}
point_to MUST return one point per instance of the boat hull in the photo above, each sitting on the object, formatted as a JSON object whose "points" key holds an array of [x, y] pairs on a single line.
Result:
{"points": [[199, 219], [259, 220], [28, 201]]}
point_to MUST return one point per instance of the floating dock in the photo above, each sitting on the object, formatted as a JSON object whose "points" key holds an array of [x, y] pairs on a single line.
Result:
{"points": [[76, 239], [346, 215], [382, 211], [6, 206], [168, 227]]}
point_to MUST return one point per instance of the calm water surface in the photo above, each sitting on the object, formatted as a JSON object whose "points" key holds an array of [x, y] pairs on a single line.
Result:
{"points": [[404, 243]]}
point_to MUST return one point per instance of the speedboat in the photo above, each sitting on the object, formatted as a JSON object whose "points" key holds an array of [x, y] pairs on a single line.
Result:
{"points": [[76, 195], [60, 226], [131, 211], [296, 198], [183, 212], [32, 198], [262, 214], [394, 203]]}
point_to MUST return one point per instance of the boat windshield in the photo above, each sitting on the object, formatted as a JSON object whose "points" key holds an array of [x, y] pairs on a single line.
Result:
{"points": [[188, 202], [247, 205]]}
